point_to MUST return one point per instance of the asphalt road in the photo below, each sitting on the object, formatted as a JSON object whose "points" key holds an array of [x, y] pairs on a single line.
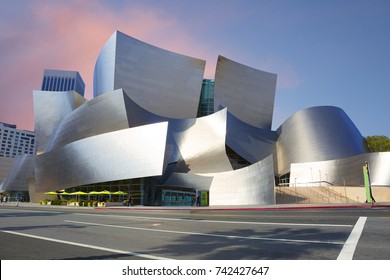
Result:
{"points": [[28, 233]]}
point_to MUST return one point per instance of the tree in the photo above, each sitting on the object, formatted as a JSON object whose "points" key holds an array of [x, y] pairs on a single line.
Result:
{"points": [[378, 143]]}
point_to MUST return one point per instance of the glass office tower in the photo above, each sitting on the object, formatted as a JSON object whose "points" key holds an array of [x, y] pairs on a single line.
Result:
{"points": [[206, 102], [60, 80]]}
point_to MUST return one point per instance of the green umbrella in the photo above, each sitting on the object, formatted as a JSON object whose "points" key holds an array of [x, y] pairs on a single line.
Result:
{"points": [[78, 193], [120, 193], [106, 192], [51, 193], [94, 192]]}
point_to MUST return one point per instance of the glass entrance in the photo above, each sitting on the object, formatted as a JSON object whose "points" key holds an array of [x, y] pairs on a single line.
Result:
{"points": [[177, 198]]}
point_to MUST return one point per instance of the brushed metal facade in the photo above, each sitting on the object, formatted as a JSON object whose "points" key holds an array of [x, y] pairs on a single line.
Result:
{"points": [[252, 185], [21, 172], [162, 82], [248, 93], [342, 172], [317, 134], [201, 143], [104, 72], [123, 154], [195, 145], [106, 113], [251, 143], [50, 109]]}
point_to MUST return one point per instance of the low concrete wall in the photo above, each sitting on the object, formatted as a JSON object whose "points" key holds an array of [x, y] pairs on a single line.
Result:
{"points": [[380, 194], [330, 194]]}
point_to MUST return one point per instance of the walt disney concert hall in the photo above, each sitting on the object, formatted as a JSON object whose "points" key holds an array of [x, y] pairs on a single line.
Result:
{"points": [[144, 133]]}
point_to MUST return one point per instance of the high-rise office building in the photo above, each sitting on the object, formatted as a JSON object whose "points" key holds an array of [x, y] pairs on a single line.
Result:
{"points": [[206, 102], [14, 142], [61, 80]]}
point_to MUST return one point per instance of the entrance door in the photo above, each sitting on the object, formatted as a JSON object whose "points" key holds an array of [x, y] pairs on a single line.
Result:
{"points": [[177, 198]]}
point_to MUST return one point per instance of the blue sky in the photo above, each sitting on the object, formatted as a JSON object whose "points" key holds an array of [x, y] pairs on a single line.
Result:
{"points": [[325, 52]]}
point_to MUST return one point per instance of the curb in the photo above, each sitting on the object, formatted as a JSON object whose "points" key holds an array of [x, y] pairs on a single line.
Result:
{"points": [[275, 207], [266, 208]]}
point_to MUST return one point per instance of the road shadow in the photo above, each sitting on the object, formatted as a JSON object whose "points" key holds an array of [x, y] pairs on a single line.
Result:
{"points": [[273, 246]]}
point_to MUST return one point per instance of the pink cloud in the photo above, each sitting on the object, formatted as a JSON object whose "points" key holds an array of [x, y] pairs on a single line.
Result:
{"points": [[69, 35]]}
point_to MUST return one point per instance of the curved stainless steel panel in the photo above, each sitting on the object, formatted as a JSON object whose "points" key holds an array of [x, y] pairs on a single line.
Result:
{"points": [[251, 143], [201, 143], [50, 109], [317, 134], [248, 93], [198, 145], [162, 82], [123, 154], [103, 114], [346, 171], [104, 72], [21, 171], [252, 185]]}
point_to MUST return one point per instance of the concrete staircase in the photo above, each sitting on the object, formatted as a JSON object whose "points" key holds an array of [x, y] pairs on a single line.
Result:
{"points": [[307, 195]]}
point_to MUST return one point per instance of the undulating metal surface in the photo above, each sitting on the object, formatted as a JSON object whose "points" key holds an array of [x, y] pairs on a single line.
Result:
{"points": [[198, 144], [342, 172], [50, 109], [103, 114], [248, 93], [162, 82], [251, 143], [123, 154], [104, 72], [317, 134], [190, 181], [252, 185], [18, 176], [201, 143]]}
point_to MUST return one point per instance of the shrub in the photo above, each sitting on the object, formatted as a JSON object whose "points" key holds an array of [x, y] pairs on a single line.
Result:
{"points": [[56, 202], [44, 201]]}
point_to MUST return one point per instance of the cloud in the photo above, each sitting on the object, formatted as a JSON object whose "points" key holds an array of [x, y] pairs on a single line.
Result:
{"points": [[69, 35]]}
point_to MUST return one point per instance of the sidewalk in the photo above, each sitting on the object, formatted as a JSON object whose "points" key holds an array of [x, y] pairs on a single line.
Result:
{"points": [[211, 208]]}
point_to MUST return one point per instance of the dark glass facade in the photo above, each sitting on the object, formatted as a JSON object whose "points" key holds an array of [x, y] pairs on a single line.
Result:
{"points": [[206, 102], [58, 80]]}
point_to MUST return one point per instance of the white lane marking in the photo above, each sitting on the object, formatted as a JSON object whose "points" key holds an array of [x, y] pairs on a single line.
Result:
{"points": [[30, 211], [214, 221], [209, 234], [352, 241], [146, 256]]}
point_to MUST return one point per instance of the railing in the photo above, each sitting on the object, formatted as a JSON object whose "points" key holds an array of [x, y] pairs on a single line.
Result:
{"points": [[323, 194], [298, 197], [336, 195], [324, 199]]}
